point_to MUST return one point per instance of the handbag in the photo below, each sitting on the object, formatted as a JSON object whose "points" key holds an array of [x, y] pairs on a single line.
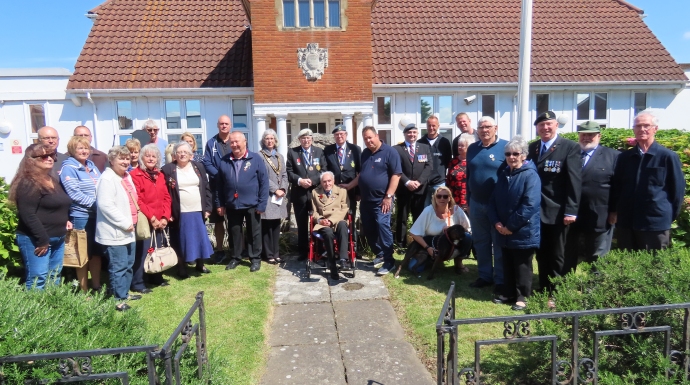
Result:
{"points": [[161, 258], [76, 249], [142, 230]]}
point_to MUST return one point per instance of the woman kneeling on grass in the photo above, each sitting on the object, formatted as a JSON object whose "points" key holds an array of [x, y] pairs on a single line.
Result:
{"points": [[116, 216], [42, 208]]}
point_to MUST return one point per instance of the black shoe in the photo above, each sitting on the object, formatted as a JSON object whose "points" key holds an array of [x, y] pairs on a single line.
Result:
{"points": [[219, 257], [233, 264], [256, 266], [145, 290], [335, 276], [501, 300], [163, 284], [134, 297], [479, 283], [517, 307], [122, 307], [203, 270]]}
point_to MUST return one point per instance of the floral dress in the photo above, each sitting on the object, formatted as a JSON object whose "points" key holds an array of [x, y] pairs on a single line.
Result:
{"points": [[457, 181]]}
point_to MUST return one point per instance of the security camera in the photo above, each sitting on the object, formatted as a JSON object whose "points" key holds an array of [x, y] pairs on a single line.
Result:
{"points": [[470, 99]]}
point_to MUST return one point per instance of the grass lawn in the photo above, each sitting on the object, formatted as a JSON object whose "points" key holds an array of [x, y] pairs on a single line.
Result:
{"points": [[238, 310], [418, 301]]}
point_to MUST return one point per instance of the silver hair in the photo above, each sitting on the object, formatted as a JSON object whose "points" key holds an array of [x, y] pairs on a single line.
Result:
{"points": [[655, 119], [327, 173], [117, 152], [486, 119], [517, 143], [182, 143], [149, 124], [267, 132], [467, 139], [150, 148]]}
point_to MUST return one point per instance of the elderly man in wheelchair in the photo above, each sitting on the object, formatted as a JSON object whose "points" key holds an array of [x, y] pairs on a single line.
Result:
{"points": [[330, 205]]}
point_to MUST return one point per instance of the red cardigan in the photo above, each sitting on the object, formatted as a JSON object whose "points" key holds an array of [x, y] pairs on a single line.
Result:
{"points": [[153, 197]]}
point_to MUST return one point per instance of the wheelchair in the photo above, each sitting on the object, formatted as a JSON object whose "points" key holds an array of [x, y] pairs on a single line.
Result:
{"points": [[318, 260]]}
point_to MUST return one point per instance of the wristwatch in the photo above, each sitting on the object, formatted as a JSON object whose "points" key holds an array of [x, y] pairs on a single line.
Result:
{"points": [[389, 196]]}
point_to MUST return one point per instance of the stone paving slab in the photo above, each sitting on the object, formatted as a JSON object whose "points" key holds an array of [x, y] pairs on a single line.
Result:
{"points": [[305, 364], [293, 287], [303, 324], [367, 322], [392, 362], [365, 285]]}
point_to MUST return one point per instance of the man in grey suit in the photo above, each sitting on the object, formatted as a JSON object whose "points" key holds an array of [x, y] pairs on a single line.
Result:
{"points": [[591, 234]]}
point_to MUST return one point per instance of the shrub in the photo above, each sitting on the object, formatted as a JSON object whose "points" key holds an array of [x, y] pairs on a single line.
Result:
{"points": [[622, 280], [9, 252], [675, 140]]}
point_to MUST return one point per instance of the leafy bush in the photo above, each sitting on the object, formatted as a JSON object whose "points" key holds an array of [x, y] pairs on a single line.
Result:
{"points": [[57, 320], [622, 280], [9, 252], [675, 140]]}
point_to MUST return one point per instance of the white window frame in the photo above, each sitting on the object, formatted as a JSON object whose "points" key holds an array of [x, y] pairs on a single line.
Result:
{"points": [[247, 131], [33, 136], [480, 105], [116, 123], [443, 126], [592, 95], [548, 107], [281, 17], [375, 115], [632, 102]]}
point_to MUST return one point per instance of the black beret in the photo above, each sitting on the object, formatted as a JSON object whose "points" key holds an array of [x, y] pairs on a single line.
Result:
{"points": [[548, 115]]}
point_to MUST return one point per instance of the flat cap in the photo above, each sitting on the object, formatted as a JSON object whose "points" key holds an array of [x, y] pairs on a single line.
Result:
{"points": [[589, 127], [305, 132], [548, 115], [338, 128]]}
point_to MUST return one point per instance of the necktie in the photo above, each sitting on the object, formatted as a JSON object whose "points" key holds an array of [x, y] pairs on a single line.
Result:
{"points": [[543, 151], [584, 158], [340, 155], [412, 153]]}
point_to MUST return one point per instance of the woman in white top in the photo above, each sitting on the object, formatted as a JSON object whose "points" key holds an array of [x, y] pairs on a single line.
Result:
{"points": [[442, 213], [191, 205]]}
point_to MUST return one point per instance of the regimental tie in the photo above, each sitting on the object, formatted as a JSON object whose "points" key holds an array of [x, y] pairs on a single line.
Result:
{"points": [[584, 157], [340, 156], [412, 153], [543, 151]]}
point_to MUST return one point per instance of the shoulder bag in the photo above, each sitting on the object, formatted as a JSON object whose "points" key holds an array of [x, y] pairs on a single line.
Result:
{"points": [[160, 258], [142, 229]]}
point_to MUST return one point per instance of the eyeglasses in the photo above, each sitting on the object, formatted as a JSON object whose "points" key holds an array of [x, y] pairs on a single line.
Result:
{"points": [[152, 129], [484, 127], [442, 196], [52, 155], [516, 154]]}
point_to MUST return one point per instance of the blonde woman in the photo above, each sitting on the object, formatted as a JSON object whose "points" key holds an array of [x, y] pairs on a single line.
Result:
{"points": [[189, 138]]}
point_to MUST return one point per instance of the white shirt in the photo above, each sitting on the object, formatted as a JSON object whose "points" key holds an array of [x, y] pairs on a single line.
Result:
{"points": [[429, 224], [188, 184]]}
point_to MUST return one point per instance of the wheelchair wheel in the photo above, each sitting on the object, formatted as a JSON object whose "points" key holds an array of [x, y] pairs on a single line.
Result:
{"points": [[308, 272]]}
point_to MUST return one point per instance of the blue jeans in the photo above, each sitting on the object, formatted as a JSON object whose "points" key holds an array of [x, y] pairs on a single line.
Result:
{"points": [[377, 230], [485, 238], [430, 190], [40, 270], [120, 268]]}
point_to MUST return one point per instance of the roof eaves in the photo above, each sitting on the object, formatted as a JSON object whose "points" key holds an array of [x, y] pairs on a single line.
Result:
{"points": [[634, 8]]}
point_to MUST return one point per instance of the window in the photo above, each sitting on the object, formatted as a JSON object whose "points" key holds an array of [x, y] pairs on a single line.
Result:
{"points": [[38, 117], [175, 138], [640, 102], [239, 113], [489, 105], [317, 128], [426, 107], [173, 119], [592, 106], [542, 103], [311, 14], [193, 108], [288, 128], [383, 110], [445, 109], [178, 119], [442, 107], [124, 115]]}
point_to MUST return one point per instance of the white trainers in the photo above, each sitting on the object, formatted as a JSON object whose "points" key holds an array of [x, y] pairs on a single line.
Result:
{"points": [[377, 262], [384, 270]]}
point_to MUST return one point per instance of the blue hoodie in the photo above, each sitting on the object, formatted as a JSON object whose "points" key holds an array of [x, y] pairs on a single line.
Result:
{"points": [[242, 183], [515, 203], [80, 186]]}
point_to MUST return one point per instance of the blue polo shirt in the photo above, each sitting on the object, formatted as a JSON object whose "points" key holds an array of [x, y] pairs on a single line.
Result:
{"points": [[377, 170]]}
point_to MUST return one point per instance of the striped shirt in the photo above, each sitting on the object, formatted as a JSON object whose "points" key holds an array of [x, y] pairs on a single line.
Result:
{"points": [[80, 185]]}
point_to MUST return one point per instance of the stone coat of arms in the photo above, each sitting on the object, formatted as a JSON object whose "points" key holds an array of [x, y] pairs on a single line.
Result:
{"points": [[312, 60]]}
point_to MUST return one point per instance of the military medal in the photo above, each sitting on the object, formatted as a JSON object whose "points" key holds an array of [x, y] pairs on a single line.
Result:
{"points": [[341, 167], [317, 164], [318, 168], [352, 164], [311, 168]]}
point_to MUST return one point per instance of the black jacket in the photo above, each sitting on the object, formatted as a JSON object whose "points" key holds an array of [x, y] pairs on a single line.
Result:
{"points": [[351, 167], [297, 168], [596, 186], [442, 155], [419, 170], [170, 172], [560, 171]]}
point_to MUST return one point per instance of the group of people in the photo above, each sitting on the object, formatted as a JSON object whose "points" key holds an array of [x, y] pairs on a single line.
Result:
{"points": [[513, 199]]}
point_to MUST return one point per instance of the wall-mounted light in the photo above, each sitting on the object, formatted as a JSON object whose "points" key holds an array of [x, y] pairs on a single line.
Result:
{"points": [[5, 127]]}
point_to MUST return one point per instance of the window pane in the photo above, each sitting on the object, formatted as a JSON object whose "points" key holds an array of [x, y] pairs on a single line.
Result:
{"points": [[172, 114], [124, 139], [383, 110], [426, 107], [303, 6], [321, 128], [288, 13], [193, 108], [582, 106], [489, 105], [445, 109], [640, 102], [542, 103], [319, 13], [334, 13], [239, 113], [302, 126], [288, 128], [600, 105], [385, 136], [124, 114], [38, 117]]}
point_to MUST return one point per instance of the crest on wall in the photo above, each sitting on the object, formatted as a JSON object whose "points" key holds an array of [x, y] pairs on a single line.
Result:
{"points": [[312, 60]]}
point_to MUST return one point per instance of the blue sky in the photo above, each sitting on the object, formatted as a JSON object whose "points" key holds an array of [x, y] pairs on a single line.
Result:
{"points": [[51, 33]]}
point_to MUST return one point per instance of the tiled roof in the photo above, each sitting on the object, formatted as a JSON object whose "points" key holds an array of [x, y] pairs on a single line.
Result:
{"points": [[477, 41], [166, 44]]}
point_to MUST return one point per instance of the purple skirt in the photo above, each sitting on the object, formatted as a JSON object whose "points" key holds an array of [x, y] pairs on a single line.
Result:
{"points": [[194, 242]]}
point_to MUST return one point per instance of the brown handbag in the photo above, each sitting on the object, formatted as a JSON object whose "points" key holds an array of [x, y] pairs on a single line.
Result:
{"points": [[76, 249], [160, 258]]}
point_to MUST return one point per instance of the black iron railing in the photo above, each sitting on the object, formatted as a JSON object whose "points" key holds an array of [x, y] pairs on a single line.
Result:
{"points": [[574, 370], [77, 366]]}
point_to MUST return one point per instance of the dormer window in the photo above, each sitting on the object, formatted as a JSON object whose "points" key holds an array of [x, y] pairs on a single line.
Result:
{"points": [[312, 14]]}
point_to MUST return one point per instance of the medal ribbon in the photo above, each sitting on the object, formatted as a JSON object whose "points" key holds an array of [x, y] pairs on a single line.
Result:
{"points": [[307, 157]]}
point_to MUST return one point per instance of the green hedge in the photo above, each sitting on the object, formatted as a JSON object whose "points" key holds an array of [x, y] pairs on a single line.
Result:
{"points": [[623, 280], [10, 260], [675, 140]]}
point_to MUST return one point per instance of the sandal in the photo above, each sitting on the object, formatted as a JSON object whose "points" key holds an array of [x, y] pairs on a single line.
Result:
{"points": [[272, 261]]}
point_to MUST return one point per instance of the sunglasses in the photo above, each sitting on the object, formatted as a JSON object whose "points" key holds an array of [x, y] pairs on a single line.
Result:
{"points": [[52, 155], [442, 196], [516, 154], [152, 129]]}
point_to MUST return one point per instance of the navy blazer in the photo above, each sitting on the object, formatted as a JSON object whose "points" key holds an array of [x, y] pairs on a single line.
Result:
{"points": [[647, 190], [419, 170], [297, 169], [351, 167], [243, 189], [596, 187]]}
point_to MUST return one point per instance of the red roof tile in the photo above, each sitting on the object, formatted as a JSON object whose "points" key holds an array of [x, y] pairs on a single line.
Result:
{"points": [[478, 41], [166, 44]]}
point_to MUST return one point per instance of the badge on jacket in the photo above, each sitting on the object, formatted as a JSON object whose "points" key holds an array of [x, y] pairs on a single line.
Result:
{"points": [[421, 158], [247, 165]]}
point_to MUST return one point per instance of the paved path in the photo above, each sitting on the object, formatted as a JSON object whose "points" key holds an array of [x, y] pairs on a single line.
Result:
{"points": [[344, 333]]}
